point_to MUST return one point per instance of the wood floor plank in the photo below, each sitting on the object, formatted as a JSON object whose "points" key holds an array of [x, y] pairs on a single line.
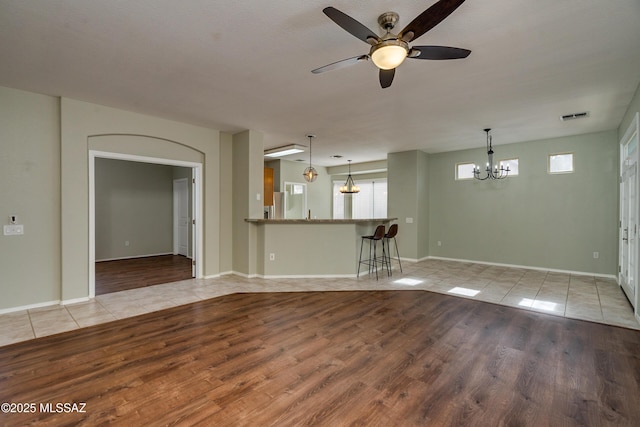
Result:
{"points": [[133, 273], [331, 358]]}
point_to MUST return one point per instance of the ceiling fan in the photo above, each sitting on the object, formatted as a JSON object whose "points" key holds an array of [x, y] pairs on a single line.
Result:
{"points": [[390, 50]]}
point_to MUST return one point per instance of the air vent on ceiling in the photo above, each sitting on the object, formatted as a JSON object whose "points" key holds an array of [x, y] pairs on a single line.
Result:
{"points": [[336, 156], [574, 116]]}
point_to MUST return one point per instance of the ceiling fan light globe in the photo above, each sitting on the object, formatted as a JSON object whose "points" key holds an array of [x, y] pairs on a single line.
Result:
{"points": [[389, 54]]}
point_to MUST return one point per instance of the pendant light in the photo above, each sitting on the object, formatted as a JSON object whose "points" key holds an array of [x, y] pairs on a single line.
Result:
{"points": [[349, 186], [310, 174], [492, 171]]}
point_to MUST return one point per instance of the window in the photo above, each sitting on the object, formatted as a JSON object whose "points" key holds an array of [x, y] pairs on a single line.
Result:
{"points": [[464, 170], [512, 164], [560, 163], [370, 202]]}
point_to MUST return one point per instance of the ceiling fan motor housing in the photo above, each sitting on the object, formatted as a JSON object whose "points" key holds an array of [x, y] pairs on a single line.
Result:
{"points": [[388, 20]]}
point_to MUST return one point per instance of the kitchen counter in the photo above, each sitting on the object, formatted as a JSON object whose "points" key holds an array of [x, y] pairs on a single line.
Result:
{"points": [[310, 248], [320, 221]]}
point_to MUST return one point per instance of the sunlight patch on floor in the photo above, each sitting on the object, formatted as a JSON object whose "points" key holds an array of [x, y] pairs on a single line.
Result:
{"points": [[464, 291], [408, 281], [540, 305]]}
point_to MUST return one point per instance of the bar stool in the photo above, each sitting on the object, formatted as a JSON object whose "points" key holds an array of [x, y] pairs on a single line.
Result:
{"points": [[391, 234], [372, 261]]}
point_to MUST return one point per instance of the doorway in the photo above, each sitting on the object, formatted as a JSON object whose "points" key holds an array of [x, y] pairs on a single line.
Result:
{"points": [[629, 207], [191, 245]]}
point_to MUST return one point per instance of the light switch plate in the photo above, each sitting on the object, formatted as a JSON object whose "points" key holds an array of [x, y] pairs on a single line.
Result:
{"points": [[13, 230]]}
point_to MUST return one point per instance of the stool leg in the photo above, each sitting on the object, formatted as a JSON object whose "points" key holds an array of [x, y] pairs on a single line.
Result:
{"points": [[398, 254], [375, 257], [386, 256], [360, 260]]}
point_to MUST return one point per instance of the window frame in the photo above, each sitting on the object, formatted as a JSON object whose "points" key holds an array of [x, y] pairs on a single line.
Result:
{"points": [[457, 169], [517, 159], [564, 153]]}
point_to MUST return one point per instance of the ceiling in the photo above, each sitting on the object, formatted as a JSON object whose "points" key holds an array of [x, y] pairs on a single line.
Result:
{"points": [[246, 64]]}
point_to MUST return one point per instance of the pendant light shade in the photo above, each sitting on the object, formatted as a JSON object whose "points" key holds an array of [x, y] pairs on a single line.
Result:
{"points": [[349, 186], [310, 174]]}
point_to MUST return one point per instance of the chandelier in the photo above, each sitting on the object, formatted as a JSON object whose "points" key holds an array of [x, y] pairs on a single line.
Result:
{"points": [[349, 186], [493, 171], [310, 174]]}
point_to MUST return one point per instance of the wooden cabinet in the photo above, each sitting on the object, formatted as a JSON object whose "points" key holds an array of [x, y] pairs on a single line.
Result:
{"points": [[268, 186]]}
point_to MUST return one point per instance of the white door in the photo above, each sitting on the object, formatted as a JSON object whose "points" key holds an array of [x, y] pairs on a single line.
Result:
{"points": [[181, 217], [628, 235], [628, 231]]}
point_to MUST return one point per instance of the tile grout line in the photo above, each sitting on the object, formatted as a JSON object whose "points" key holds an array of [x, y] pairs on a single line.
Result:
{"points": [[33, 331], [595, 284], [71, 315]]}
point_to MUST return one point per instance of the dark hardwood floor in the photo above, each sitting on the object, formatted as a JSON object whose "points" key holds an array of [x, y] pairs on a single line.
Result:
{"points": [[385, 358], [120, 275]]}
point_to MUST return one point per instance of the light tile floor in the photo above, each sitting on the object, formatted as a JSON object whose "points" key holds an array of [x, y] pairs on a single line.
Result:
{"points": [[579, 297]]}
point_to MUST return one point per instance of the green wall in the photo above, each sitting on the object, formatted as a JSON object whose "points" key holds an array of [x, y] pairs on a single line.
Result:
{"points": [[633, 109], [534, 219], [30, 188], [134, 204], [44, 180], [248, 186], [319, 197], [408, 200]]}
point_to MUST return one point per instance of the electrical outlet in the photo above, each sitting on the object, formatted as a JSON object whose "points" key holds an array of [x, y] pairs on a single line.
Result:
{"points": [[13, 230], [126, 243], [596, 255], [439, 243], [409, 220], [272, 257]]}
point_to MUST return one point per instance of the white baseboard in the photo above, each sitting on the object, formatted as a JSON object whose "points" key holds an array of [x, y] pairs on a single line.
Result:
{"points": [[245, 275], [134, 257], [411, 259], [306, 276], [44, 304], [29, 306], [527, 267], [74, 300]]}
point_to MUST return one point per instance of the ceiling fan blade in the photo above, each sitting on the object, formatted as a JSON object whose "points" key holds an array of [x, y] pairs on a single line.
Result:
{"points": [[386, 77], [429, 19], [340, 64], [351, 25], [438, 52]]}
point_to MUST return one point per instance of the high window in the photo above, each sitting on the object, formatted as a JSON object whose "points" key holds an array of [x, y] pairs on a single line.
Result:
{"points": [[512, 164], [464, 171], [560, 163]]}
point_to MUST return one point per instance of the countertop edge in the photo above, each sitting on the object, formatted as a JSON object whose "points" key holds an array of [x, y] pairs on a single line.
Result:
{"points": [[318, 221]]}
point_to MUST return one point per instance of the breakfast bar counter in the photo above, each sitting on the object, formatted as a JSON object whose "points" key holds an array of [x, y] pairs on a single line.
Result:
{"points": [[311, 248]]}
